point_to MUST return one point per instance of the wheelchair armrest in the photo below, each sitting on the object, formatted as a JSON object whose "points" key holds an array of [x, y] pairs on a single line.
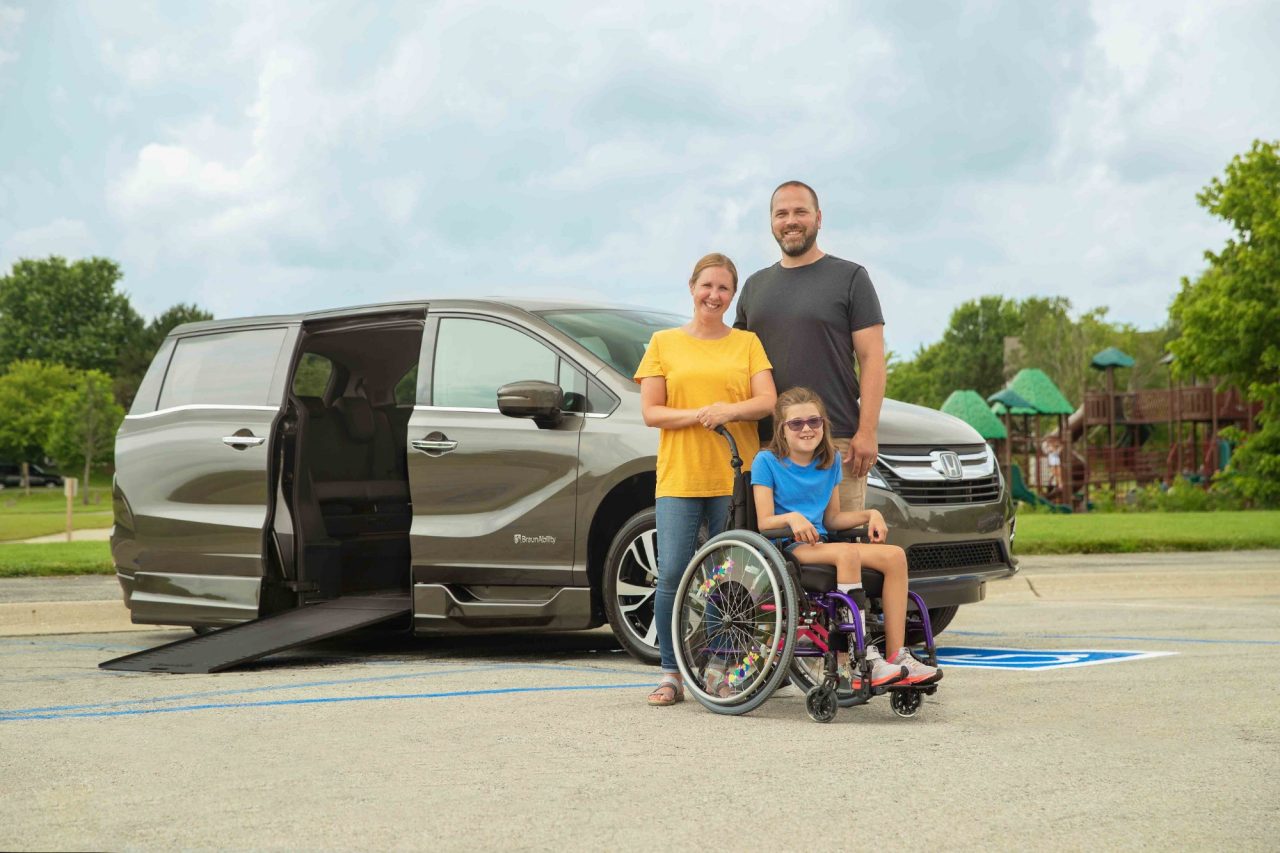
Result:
{"points": [[850, 534]]}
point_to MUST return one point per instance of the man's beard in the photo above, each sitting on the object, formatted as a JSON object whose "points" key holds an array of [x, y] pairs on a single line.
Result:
{"points": [[798, 249]]}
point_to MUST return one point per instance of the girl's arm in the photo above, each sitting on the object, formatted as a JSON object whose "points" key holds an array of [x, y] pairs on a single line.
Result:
{"points": [[653, 404], [763, 396], [802, 530], [836, 519]]}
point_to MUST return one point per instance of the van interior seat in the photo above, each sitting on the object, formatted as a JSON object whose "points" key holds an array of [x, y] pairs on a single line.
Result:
{"points": [[351, 457]]}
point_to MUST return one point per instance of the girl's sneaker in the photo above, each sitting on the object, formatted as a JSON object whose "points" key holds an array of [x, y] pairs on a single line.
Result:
{"points": [[882, 672], [917, 673]]}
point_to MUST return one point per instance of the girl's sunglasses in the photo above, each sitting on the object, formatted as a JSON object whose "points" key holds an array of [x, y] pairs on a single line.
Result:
{"points": [[797, 424]]}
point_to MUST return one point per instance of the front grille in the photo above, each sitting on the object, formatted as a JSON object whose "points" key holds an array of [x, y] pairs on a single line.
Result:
{"points": [[953, 555], [933, 492]]}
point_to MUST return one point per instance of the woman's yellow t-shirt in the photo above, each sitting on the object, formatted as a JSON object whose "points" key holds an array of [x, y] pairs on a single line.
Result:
{"points": [[694, 462]]}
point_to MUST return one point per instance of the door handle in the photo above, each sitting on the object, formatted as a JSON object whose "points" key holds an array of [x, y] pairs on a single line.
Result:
{"points": [[242, 442], [434, 444]]}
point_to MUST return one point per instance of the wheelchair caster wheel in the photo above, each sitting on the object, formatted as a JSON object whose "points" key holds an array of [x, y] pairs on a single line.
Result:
{"points": [[906, 703], [821, 704]]}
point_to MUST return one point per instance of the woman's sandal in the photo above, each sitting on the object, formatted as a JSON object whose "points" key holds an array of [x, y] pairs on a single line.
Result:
{"points": [[668, 692], [716, 679]]}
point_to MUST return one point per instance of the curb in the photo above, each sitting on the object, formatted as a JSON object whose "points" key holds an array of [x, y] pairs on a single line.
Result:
{"points": [[35, 618]]}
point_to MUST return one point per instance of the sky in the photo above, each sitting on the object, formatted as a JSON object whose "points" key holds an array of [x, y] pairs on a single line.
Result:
{"points": [[258, 158]]}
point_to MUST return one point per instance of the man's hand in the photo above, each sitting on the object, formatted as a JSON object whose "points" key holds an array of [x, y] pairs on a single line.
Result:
{"points": [[863, 449], [717, 414]]}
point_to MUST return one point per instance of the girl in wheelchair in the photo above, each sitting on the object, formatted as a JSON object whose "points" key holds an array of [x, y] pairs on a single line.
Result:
{"points": [[794, 485]]}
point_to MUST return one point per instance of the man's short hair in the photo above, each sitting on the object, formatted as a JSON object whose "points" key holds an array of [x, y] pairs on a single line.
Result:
{"points": [[802, 185]]}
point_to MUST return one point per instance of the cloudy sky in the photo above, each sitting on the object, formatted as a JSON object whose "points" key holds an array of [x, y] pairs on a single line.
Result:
{"points": [[276, 157]]}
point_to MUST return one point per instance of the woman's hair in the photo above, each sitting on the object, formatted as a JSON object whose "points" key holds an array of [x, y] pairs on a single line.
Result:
{"points": [[826, 451], [715, 259]]}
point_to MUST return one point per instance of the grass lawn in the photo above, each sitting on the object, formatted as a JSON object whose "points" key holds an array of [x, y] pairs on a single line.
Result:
{"points": [[59, 558], [44, 511], [1125, 532]]}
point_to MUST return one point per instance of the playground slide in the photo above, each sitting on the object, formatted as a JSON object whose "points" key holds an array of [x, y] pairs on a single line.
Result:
{"points": [[1022, 493]]}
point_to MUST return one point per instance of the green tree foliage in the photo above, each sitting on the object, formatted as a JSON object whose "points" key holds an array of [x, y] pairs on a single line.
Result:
{"points": [[1230, 316], [69, 314], [969, 356], [29, 394], [83, 424]]}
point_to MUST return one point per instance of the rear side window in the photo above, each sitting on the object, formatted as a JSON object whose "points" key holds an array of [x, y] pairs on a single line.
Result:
{"points": [[145, 400], [230, 369]]}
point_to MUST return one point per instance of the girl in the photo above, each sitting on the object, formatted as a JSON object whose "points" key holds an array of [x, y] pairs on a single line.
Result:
{"points": [[693, 379], [794, 485]]}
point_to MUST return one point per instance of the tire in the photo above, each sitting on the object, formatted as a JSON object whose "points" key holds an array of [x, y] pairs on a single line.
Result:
{"points": [[735, 613], [630, 584], [939, 619]]}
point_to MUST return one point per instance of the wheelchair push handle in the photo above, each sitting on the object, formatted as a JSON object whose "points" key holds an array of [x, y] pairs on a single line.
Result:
{"points": [[736, 461]]}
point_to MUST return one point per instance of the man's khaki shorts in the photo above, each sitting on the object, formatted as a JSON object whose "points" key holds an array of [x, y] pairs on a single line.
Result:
{"points": [[853, 490]]}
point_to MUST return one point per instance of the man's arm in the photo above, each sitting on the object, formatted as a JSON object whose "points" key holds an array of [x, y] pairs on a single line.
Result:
{"points": [[868, 346]]}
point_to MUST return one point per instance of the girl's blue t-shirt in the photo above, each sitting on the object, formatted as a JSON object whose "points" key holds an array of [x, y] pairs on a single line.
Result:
{"points": [[805, 489]]}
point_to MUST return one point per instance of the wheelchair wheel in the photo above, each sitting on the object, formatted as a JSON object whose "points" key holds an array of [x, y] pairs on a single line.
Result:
{"points": [[821, 704], [734, 622], [906, 703]]}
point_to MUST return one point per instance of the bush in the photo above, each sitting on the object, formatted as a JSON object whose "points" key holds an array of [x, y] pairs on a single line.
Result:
{"points": [[1182, 496]]}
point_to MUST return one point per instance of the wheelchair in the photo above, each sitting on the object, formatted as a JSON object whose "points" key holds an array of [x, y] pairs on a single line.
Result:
{"points": [[748, 616]]}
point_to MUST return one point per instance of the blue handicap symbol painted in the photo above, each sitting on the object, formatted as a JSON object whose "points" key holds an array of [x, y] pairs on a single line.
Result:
{"points": [[1034, 660]]}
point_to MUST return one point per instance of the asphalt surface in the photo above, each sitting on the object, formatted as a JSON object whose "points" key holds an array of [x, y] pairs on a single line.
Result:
{"points": [[534, 743]]}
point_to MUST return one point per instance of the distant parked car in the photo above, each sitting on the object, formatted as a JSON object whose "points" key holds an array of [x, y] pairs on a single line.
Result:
{"points": [[11, 475]]}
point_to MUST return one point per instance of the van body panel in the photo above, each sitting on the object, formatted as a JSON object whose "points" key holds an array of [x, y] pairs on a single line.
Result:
{"points": [[165, 597]]}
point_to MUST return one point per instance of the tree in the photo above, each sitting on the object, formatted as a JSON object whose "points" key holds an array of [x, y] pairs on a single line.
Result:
{"points": [[30, 392], [136, 355], [70, 314], [83, 425], [1230, 316]]}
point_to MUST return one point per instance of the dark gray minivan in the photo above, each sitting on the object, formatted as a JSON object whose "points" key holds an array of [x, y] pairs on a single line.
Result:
{"points": [[485, 459]]}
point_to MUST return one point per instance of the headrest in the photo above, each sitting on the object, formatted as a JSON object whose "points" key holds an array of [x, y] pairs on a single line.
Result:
{"points": [[313, 405], [357, 416]]}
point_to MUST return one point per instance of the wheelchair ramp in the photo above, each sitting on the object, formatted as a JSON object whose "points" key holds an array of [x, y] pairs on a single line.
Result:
{"points": [[253, 640]]}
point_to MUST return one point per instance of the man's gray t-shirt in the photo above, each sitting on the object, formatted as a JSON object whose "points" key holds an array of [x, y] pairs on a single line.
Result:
{"points": [[805, 317]]}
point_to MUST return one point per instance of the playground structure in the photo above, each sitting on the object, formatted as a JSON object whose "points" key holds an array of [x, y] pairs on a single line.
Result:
{"points": [[1130, 451], [1115, 438]]}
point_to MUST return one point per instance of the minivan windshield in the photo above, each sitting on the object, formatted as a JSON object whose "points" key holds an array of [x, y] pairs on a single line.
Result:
{"points": [[618, 336]]}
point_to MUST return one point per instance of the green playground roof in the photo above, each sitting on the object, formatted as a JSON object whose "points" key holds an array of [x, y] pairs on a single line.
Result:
{"points": [[969, 407], [1034, 386], [1008, 401], [1111, 357]]}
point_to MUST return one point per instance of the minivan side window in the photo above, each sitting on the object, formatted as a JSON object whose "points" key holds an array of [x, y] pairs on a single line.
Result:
{"points": [[144, 400], [474, 358], [229, 368]]}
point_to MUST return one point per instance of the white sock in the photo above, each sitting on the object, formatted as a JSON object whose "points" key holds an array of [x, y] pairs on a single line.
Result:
{"points": [[848, 588]]}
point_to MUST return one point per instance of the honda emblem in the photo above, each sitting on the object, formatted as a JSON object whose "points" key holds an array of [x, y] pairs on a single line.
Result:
{"points": [[948, 464]]}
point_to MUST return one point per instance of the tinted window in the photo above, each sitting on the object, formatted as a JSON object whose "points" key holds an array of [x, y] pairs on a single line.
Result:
{"points": [[619, 338], [232, 368], [475, 358], [145, 400], [406, 390], [312, 376]]}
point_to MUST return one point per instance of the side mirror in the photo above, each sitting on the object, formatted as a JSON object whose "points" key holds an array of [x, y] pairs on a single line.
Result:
{"points": [[532, 398]]}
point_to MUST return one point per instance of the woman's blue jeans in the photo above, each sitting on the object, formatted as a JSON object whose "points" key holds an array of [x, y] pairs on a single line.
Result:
{"points": [[678, 523]]}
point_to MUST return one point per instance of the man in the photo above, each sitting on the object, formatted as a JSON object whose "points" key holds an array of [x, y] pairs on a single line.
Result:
{"points": [[814, 312]]}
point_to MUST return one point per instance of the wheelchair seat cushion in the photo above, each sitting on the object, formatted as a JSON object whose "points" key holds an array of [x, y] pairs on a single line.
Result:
{"points": [[819, 579]]}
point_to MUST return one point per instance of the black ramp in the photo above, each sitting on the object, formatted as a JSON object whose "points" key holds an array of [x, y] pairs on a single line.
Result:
{"points": [[261, 637]]}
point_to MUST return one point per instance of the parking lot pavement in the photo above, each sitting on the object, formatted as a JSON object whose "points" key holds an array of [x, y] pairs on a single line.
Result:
{"points": [[545, 742]]}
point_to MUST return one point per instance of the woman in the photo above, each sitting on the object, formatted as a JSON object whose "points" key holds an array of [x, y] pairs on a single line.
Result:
{"points": [[693, 379]]}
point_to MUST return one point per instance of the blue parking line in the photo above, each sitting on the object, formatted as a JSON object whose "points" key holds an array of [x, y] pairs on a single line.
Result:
{"points": [[1119, 638], [335, 682], [325, 700]]}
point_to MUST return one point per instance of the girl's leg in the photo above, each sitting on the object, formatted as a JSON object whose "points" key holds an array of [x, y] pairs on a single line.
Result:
{"points": [[678, 520], [844, 556], [890, 561]]}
